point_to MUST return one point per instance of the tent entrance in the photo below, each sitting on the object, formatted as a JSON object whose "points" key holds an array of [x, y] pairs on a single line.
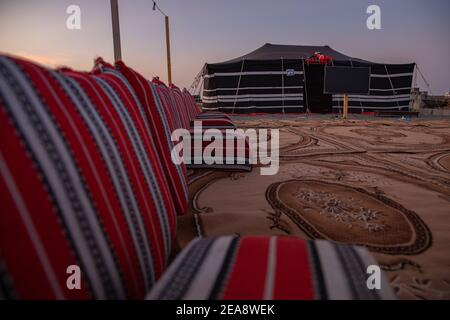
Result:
{"points": [[316, 100]]}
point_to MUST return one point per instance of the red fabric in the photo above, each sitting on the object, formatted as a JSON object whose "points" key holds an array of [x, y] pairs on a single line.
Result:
{"points": [[156, 125], [294, 278], [248, 276], [16, 245], [113, 121], [37, 231], [87, 179]]}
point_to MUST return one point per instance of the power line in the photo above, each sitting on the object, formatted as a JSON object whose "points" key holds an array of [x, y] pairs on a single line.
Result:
{"points": [[156, 7]]}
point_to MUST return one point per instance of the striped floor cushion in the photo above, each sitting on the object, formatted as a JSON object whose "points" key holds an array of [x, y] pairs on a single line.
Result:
{"points": [[180, 104], [217, 123], [158, 128], [175, 108], [268, 268], [190, 103], [234, 149], [172, 101], [214, 115], [80, 185], [210, 120]]}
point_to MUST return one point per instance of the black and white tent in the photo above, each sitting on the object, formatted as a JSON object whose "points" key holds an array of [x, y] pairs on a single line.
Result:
{"points": [[276, 79]]}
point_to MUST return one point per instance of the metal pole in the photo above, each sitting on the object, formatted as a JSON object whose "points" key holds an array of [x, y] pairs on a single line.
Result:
{"points": [[116, 30], [169, 65]]}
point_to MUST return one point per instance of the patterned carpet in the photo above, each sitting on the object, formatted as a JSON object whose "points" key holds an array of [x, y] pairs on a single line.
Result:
{"points": [[383, 184]]}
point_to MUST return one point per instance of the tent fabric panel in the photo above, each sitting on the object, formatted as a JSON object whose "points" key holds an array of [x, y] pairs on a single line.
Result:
{"points": [[244, 81], [274, 51], [390, 89], [254, 86]]}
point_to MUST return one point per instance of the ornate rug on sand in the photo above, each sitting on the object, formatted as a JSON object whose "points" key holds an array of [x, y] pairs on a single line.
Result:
{"points": [[383, 184]]}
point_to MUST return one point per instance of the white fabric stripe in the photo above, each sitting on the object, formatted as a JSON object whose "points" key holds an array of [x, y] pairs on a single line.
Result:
{"points": [[144, 161], [253, 88], [105, 155], [221, 137], [374, 75], [375, 98], [372, 100], [28, 222], [271, 269], [333, 273], [253, 96], [206, 275], [390, 90], [300, 98], [168, 274], [250, 73], [57, 186], [386, 291], [380, 108], [113, 268], [264, 107], [232, 160], [257, 95]]}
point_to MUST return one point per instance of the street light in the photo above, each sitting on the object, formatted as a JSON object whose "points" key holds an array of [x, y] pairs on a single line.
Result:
{"points": [[116, 35], [116, 30]]}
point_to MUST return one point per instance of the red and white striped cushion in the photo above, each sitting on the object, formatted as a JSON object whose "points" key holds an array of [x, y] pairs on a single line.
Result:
{"points": [[166, 97], [234, 147], [255, 268], [156, 127], [80, 185], [172, 100]]}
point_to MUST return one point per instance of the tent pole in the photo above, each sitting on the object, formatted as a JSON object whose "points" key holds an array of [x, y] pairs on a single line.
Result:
{"points": [[345, 106], [282, 83], [116, 30], [333, 96], [394, 92], [304, 84], [238, 85], [360, 102], [423, 78], [415, 76]]}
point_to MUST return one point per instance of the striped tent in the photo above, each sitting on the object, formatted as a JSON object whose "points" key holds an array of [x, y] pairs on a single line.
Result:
{"points": [[276, 79]]}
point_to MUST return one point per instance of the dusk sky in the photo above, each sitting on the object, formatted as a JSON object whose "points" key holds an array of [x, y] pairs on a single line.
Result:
{"points": [[217, 30]]}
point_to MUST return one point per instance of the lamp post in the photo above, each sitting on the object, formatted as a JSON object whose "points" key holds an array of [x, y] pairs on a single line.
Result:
{"points": [[169, 65], [116, 30], [116, 35], [166, 20]]}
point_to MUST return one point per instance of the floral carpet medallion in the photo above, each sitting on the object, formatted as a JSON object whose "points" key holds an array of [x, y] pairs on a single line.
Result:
{"points": [[350, 215]]}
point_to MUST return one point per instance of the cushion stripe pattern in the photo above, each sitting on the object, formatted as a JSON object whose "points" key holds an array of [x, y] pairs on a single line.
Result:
{"points": [[159, 128], [81, 184], [257, 268]]}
